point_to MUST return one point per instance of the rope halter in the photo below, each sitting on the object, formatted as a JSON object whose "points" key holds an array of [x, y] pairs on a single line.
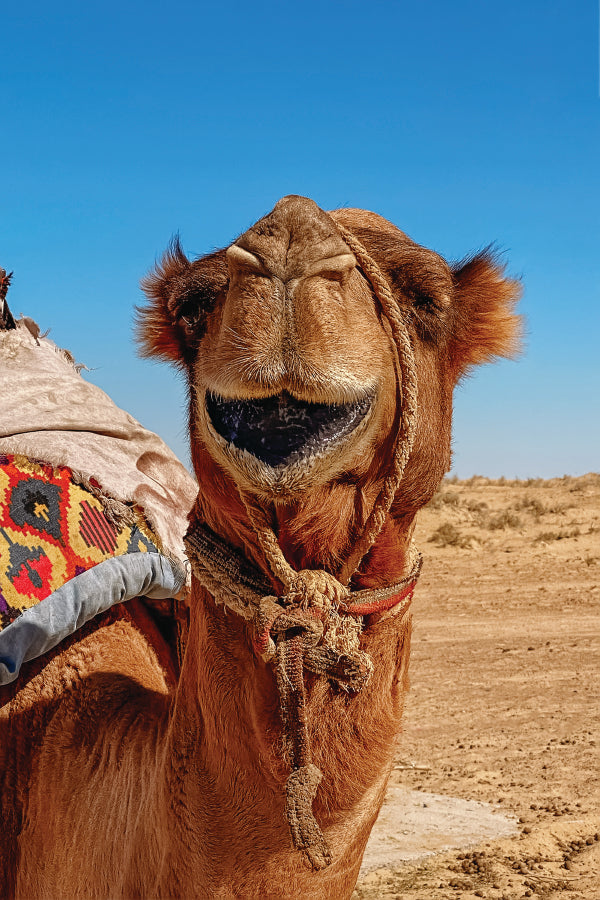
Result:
{"points": [[316, 623]]}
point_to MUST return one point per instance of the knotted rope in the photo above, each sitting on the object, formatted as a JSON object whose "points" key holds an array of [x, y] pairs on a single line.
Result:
{"points": [[316, 623], [406, 407]]}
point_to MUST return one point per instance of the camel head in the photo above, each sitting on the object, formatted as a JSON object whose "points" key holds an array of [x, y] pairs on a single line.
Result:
{"points": [[291, 365]]}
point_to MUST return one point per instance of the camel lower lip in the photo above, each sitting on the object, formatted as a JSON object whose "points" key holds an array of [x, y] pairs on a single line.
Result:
{"points": [[280, 430]]}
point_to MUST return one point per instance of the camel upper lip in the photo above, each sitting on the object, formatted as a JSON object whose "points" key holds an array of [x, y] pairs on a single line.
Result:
{"points": [[280, 430]]}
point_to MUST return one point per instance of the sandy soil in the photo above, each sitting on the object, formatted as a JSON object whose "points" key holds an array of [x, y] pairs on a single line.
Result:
{"points": [[504, 706]]}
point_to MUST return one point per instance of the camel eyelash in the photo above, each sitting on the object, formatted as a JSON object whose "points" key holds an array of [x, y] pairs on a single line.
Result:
{"points": [[189, 312]]}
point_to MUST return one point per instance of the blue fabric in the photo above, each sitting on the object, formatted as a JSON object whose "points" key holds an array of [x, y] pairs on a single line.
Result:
{"points": [[113, 581]]}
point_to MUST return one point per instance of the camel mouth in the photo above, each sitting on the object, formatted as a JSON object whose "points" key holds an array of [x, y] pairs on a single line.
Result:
{"points": [[280, 430]]}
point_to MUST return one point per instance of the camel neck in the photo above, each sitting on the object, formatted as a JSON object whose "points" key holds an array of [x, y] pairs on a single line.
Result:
{"points": [[226, 732]]}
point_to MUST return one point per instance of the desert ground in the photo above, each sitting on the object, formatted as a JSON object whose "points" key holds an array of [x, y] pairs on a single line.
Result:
{"points": [[504, 704]]}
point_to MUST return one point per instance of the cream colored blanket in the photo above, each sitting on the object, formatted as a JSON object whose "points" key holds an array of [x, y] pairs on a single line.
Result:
{"points": [[50, 413]]}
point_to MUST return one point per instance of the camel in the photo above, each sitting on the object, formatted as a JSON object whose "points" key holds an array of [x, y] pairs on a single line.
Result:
{"points": [[321, 351]]}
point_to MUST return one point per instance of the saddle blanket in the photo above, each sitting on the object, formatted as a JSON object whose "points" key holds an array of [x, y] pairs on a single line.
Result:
{"points": [[53, 531]]}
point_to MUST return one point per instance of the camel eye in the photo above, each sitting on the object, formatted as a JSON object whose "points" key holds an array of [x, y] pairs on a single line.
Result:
{"points": [[434, 304], [423, 302], [190, 314], [190, 324]]}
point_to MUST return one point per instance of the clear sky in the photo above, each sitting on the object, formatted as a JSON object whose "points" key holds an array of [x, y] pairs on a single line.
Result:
{"points": [[463, 123]]}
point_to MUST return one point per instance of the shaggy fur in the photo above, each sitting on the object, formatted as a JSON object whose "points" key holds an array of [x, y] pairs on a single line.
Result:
{"points": [[114, 783]]}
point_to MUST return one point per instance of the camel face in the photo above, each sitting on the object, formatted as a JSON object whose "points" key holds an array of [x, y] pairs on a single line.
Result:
{"points": [[292, 375], [290, 363]]}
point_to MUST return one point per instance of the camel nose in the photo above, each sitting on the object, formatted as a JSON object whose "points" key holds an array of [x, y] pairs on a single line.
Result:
{"points": [[294, 240], [289, 310]]}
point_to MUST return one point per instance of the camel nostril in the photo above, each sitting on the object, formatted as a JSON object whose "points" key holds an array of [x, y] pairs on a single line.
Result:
{"points": [[279, 430]]}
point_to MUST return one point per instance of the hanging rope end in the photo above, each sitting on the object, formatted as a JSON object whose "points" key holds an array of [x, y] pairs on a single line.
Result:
{"points": [[300, 791]]}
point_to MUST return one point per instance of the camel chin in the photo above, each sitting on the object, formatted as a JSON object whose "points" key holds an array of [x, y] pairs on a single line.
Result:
{"points": [[281, 445]]}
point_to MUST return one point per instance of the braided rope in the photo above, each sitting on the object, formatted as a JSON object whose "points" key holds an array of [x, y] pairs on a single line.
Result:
{"points": [[407, 407], [269, 544], [309, 587]]}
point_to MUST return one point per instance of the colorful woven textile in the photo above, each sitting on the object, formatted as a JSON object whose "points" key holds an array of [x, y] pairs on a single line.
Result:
{"points": [[51, 530]]}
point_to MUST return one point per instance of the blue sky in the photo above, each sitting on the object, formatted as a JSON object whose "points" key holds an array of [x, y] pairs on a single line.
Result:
{"points": [[462, 122]]}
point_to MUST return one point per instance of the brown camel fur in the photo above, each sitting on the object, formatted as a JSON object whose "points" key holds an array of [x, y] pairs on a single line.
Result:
{"points": [[116, 782]]}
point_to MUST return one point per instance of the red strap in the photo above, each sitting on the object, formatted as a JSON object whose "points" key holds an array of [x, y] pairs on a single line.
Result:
{"points": [[377, 606]]}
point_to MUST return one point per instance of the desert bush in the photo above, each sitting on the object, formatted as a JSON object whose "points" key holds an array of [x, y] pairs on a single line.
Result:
{"points": [[504, 519], [444, 498], [448, 535], [476, 506], [477, 481], [581, 482], [558, 509], [548, 536], [532, 505], [538, 509]]}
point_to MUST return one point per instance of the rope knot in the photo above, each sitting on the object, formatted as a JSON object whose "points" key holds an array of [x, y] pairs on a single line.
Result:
{"points": [[315, 589]]}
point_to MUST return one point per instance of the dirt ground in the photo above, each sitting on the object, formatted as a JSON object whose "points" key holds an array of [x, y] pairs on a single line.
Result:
{"points": [[504, 706]]}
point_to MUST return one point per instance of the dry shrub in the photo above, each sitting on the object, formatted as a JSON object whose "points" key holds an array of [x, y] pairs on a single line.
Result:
{"points": [[532, 505], [448, 535], [515, 482], [537, 508], [558, 509], [478, 481], [444, 498], [581, 482], [504, 519], [547, 536], [476, 506]]}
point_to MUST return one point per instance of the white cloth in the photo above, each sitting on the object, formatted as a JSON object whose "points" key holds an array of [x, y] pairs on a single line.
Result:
{"points": [[50, 413]]}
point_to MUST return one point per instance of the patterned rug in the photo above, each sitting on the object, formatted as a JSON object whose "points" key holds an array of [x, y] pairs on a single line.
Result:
{"points": [[53, 528]]}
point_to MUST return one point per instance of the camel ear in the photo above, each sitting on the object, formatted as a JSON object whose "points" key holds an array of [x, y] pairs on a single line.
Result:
{"points": [[484, 324], [181, 294]]}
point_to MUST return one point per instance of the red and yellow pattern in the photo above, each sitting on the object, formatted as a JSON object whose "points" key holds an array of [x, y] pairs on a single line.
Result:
{"points": [[51, 530]]}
